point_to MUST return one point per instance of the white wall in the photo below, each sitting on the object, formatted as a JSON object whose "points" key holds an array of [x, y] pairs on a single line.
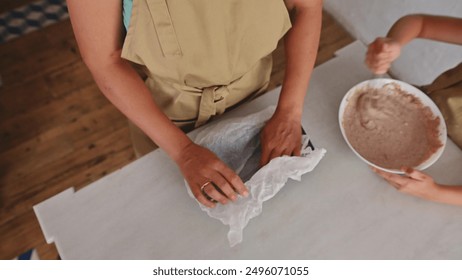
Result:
{"points": [[422, 60]]}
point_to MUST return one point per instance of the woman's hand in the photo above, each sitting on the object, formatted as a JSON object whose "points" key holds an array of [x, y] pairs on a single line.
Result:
{"points": [[282, 135], [414, 183], [381, 53], [208, 177]]}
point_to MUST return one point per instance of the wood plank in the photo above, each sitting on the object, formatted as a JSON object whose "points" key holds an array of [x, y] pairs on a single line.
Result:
{"points": [[39, 120], [70, 138], [47, 251], [21, 98], [20, 235], [37, 53], [22, 232], [25, 184], [18, 232]]}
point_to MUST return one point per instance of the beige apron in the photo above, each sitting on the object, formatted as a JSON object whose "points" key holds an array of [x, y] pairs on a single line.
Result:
{"points": [[204, 56], [446, 92]]}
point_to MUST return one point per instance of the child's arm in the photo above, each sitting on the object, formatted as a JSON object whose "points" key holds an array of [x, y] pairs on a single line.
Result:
{"points": [[438, 28], [383, 51]]}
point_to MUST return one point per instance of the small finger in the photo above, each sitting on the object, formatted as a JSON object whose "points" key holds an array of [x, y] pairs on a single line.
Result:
{"points": [[376, 64], [286, 152], [384, 56], [275, 153], [394, 184], [368, 61], [382, 70], [382, 64], [391, 177], [378, 68], [298, 150]]}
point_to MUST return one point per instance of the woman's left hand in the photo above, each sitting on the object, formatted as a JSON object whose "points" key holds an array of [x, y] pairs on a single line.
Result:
{"points": [[282, 135]]}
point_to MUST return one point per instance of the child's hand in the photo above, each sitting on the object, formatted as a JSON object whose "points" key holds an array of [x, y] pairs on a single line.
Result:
{"points": [[414, 183], [381, 53]]}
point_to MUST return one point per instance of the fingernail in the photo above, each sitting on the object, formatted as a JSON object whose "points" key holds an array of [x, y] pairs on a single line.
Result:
{"points": [[245, 193], [233, 198]]}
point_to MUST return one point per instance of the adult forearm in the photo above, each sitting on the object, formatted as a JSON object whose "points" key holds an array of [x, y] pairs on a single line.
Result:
{"points": [[301, 45], [120, 83]]}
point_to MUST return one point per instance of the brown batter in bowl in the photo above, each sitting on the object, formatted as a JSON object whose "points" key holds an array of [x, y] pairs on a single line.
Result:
{"points": [[390, 127]]}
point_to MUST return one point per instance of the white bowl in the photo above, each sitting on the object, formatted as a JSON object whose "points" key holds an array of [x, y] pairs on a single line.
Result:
{"points": [[426, 101]]}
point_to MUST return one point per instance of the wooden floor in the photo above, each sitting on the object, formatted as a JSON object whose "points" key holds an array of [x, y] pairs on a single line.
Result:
{"points": [[57, 130]]}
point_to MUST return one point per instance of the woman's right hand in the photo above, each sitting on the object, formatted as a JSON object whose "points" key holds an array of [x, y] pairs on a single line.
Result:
{"points": [[381, 53], [206, 174]]}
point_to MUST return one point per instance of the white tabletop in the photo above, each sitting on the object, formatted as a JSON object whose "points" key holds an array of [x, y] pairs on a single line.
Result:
{"points": [[341, 210]]}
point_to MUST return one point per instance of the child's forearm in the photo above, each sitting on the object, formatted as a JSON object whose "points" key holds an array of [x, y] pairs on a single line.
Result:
{"points": [[438, 28], [450, 195], [406, 29]]}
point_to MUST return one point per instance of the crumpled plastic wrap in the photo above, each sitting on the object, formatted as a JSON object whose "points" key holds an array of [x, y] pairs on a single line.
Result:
{"points": [[237, 143]]}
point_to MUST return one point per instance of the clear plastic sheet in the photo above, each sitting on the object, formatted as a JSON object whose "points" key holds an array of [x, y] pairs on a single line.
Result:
{"points": [[237, 142]]}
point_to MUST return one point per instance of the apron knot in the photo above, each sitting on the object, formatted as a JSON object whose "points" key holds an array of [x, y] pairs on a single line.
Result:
{"points": [[213, 102]]}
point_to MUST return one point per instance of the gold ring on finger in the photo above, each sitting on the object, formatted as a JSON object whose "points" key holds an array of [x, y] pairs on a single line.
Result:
{"points": [[205, 185]]}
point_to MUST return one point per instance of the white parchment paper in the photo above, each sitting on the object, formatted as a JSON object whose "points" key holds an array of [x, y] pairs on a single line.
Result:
{"points": [[237, 142]]}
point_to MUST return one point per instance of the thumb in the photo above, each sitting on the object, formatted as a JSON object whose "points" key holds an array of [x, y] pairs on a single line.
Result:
{"points": [[379, 44], [414, 174]]}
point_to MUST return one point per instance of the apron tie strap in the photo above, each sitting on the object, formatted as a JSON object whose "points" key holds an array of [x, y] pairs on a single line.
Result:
{"points": [[213, 102]]}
